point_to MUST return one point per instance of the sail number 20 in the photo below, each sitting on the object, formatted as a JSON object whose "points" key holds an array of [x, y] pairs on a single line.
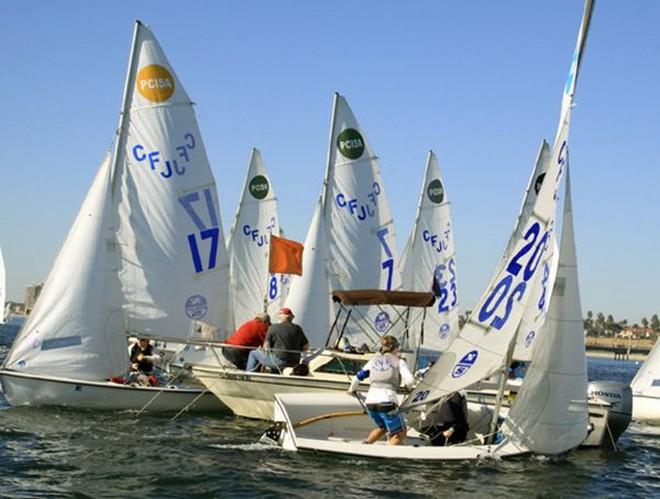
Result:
{"points": [[506, 288], [190, 203]]}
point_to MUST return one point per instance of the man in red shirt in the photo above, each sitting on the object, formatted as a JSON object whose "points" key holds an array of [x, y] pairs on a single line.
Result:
{"points": [[249, 336]]}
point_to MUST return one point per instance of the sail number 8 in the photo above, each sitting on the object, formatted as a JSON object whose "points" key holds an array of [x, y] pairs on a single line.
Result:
{"points": [[505, 288], [205, 232]]}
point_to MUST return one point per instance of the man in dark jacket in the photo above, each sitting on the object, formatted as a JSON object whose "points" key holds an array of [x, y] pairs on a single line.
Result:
{"points": [[284, 342]]}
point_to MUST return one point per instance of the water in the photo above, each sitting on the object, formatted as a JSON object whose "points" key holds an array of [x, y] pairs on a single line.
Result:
{"points": [[65, 453]]}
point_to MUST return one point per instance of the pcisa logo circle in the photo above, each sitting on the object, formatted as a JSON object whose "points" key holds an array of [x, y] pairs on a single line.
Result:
{"points": [[350, 143]]}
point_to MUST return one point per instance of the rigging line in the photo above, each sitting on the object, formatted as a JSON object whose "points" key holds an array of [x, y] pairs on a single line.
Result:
{"points": [[188, 405], [356, 394], [151, 401]]}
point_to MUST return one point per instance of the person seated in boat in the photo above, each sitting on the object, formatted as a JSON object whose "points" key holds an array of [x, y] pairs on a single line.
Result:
{"points": [[386, 372], [143, 361], [249, 336], [143, 357], [447, 423], [283, 344], [517, 370]]}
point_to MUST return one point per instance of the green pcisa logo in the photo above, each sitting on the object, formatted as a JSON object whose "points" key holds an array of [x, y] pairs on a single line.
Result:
{"points": [[259, 187], [435, 191], [350, 143]]}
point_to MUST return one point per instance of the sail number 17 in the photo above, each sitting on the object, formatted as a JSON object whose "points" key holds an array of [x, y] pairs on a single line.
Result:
{"points": [[191, 203]]}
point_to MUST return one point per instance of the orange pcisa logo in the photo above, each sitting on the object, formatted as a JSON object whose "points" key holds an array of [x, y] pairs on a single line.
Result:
{"points": [[155, 83]]}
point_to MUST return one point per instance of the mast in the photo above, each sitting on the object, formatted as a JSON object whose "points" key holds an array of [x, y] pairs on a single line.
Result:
{"points": [[328, 165], [500, 389], [121, 135]]}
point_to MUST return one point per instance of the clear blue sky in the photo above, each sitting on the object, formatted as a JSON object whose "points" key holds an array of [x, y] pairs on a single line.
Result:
{"points": [[479, 82]]}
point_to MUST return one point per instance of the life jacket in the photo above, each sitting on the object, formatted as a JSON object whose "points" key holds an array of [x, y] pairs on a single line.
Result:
{"points": [[384, 372]]}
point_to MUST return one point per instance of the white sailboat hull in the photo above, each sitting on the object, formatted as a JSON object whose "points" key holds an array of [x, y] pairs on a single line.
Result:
{"points": [[252, 395], [22, 389], [344, 434], [647, 409]]}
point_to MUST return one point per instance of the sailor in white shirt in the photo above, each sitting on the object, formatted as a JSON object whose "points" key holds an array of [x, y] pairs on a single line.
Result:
{"points": [[386, 372]]}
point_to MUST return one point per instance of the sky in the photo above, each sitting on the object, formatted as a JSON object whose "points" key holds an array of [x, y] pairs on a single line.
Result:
{"points": [[478, 82]]}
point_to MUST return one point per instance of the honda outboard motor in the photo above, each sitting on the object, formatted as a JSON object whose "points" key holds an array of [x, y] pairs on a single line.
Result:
{"points": [[619, 414]]}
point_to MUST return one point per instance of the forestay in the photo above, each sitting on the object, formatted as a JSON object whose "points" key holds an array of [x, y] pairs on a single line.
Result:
{"points": [[354, 219], [550, 413], [253, 288], [174, 268], [429, 261], [76, 327], [482, 345]]}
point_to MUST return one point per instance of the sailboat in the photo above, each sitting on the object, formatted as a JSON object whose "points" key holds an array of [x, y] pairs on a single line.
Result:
{"points": [[254, 289], [350, 245], [646, 388], [3, 288], [145, 256], [429, 259], [483, 347]]}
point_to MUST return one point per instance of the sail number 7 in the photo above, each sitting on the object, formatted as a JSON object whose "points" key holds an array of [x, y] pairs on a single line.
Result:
{"points": [[191, 204], [506, 288], [388, 263]]}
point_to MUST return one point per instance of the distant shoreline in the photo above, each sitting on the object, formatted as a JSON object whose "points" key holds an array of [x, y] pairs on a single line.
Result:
{"points": [[604, 354]]}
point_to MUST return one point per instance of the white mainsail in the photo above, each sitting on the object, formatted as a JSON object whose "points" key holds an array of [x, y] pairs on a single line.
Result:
{"points": [[550, 413], [3, 287], [537, 307], [429, 259], [174, 267], [359, 231], [146, 252], [309, 296], [482, 346], [646, 387], [253, 288], [76, 327]]}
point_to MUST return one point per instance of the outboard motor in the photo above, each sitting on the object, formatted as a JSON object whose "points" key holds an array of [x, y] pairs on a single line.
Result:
{"points": [[619, 414]]}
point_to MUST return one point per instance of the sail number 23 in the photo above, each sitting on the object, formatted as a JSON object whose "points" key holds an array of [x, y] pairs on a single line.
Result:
{"points": [[506, 288], [198, 204]]}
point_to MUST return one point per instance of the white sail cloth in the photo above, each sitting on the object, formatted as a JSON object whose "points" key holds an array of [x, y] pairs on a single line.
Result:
{"points": [[429, 260], [361, 244], [174, 263], [309, 296], [253, 288], [75, 329], [550, 413], [483, 343], [536, 310], [146, 253], [647, 380]]}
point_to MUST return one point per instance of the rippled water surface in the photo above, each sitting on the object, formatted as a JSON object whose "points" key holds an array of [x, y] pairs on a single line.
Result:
{"points": [[65, 453]]}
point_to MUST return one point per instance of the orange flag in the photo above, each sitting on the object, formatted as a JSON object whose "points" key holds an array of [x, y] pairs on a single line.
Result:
{"points": [[285, 256]]}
